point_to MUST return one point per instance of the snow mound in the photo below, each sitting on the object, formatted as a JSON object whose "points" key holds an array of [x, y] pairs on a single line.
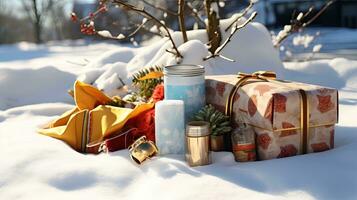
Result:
{"points": [[251, 48], [336, 73], [28, 86], [33, 74], [123, 54]]}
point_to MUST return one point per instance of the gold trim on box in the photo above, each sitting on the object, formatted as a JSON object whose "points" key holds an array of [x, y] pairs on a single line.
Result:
{"points": [[290, 129]]}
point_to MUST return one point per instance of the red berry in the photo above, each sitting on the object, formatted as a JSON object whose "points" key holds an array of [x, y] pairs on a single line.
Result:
{"points": [[74, 17]]}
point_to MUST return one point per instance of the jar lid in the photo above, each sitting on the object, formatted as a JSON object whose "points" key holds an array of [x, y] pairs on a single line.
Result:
{"points": [[184, 70], [198, 129]]}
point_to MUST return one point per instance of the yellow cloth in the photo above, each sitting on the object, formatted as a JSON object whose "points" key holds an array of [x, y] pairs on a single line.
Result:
{"points": [[91, 120]]}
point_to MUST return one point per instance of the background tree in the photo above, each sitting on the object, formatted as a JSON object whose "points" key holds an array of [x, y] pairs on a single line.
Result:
{"points": [[12, 27], [58, 21], [37, 10]]}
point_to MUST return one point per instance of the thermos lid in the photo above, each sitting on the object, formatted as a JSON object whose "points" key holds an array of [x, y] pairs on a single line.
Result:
{"points": [[198, 129], [184, 70]]}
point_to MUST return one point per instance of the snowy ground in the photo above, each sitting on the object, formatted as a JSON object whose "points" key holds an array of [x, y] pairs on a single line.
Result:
{"points": [[33, 84], [336, 42]]}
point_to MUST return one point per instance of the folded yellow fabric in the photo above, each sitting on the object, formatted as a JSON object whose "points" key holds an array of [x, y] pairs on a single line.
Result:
{"points": [[91, 120]]}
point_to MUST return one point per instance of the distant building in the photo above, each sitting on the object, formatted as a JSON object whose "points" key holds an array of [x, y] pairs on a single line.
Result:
{"points": [[342, 13], [277, 13]]}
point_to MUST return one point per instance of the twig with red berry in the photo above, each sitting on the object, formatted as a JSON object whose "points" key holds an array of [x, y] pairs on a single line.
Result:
{"points": [[87, 23]]}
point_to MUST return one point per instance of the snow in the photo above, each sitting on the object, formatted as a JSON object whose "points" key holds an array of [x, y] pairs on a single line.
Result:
{"points": [[245, 47], [33, 83], [336, 42], [338, 73], [31, 74], [105, 33], [303, 40], [316, 48]]}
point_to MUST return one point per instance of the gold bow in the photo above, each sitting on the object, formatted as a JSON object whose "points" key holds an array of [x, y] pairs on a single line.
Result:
{"points": [[243, 78], [258, 75]]}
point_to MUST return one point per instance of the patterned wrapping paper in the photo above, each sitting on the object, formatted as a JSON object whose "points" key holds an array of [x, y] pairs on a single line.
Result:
{"points": [[274, 110]]}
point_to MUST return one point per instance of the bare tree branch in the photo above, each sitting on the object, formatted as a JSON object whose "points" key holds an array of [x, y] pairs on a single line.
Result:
{"points": [[234, 30], [35, 16], [241, 14], [213, 29], [193, 11], [138, 28], [93, 15], [160, 8], [188, 5], [318, 13], [181, 19], [47, 6], [150, 16], [146, 29], [195, 14], [170, 12], [151, 32], [298, 23], [37, 10], [27, 8]]}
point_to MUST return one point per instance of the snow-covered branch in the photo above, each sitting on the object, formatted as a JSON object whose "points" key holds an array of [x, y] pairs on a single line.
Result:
{"points": [[213, 29], [107, 34], [298, 23], [233, 31], [241, 14], [147, 15]]}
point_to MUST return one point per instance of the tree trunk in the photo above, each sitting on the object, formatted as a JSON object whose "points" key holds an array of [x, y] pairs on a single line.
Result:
{"points": [[38, 38], [181, 16], [37, 23], [213, 30]]}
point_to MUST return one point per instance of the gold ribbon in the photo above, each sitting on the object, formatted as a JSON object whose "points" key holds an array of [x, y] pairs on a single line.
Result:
{"points": [[270, 76], [243, 78]]}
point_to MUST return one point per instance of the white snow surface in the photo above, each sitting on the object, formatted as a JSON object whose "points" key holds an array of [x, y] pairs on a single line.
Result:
{"points": [[33, 84]]}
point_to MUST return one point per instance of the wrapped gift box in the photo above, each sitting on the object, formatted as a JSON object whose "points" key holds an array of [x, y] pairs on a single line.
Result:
{"points": [[274, 108]]}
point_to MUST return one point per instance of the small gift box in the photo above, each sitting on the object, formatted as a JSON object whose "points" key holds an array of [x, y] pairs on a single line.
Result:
{"points": [[289, 118]]}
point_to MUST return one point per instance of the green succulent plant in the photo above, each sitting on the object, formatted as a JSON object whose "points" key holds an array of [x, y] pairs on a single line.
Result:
{"points": [[219, 123]]}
